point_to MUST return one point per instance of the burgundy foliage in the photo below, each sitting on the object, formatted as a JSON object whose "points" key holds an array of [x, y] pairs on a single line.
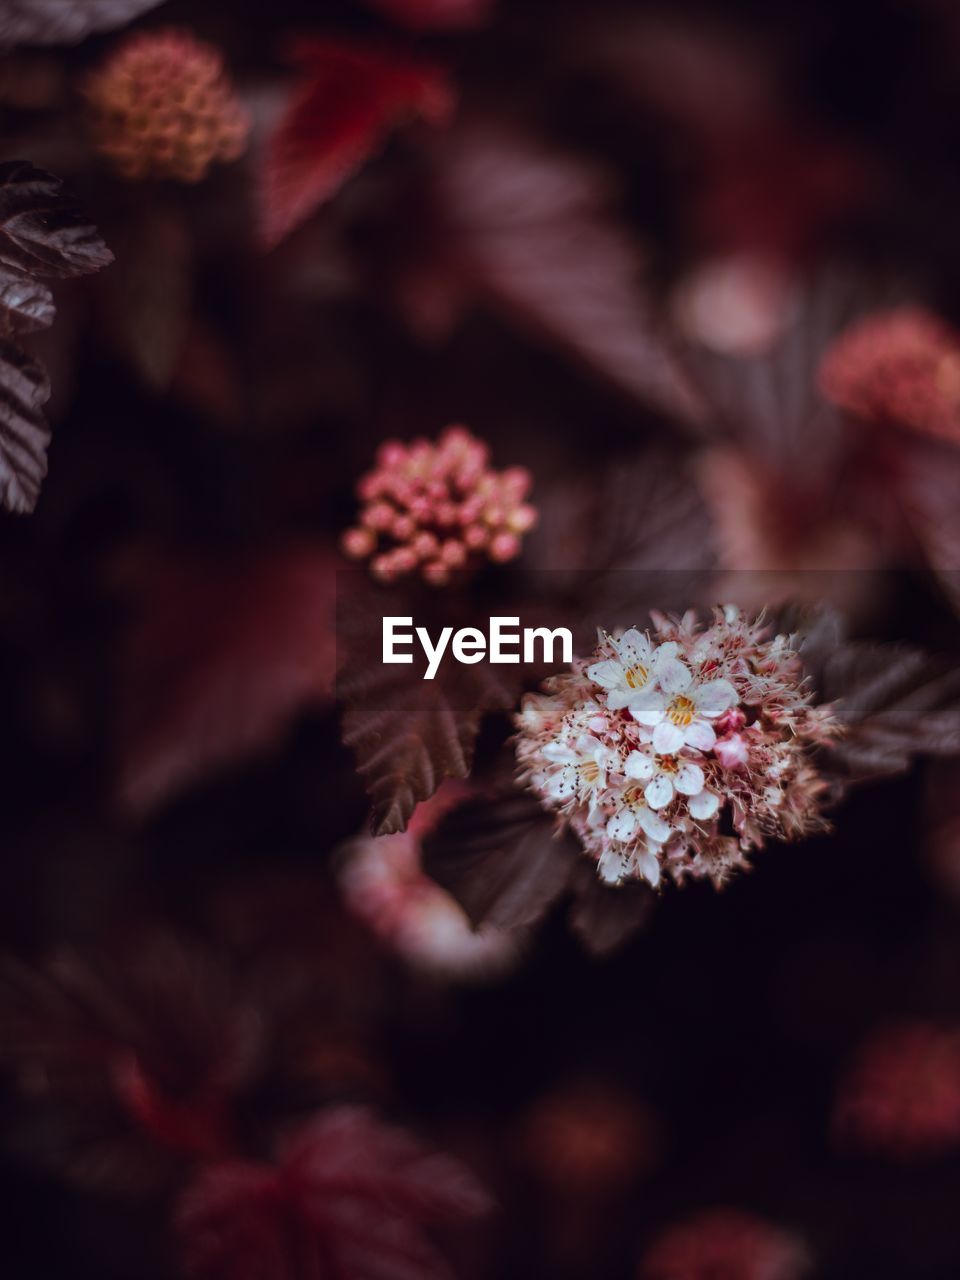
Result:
{"points": [[348, 1197]]}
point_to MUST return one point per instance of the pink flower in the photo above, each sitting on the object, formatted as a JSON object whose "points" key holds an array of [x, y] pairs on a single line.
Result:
{"points": [[434, 509], [900, 1095], [625, 751], [899, 366], [728, 1243], [384, 886], [161, 106]]}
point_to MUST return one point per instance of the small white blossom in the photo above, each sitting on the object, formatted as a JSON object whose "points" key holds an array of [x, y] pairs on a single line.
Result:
{"points": [[680, 717], [638, 665], [664, 776]]}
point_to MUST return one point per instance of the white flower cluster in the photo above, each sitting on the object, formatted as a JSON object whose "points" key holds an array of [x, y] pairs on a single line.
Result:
{"points": [[641, 750]]}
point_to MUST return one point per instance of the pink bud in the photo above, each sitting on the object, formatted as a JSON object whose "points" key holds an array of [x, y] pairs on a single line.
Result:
{"points": [[436, 573], [403, 528], [521, 519], [370, 486], [403, 560], [445, 514], [358, 543], [453, 554], [505, 546], [382, 568], [391, 454], [476, 537], [425, 545], [730, 721], [731, 751], [378, 516]]}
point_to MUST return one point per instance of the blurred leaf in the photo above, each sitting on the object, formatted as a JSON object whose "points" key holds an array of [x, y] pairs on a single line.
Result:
{"points": [[149, 299], [408, 733], [633, 536], [529, 230], [42, 231], [927, 479], [220, 657], [604, 916], [349, 1197], [64, 21], [24, 434], [350, 100], [896, 703], [499, 855]]}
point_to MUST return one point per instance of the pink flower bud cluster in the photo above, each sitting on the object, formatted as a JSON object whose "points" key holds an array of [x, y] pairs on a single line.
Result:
{"points": [[434, 509], [900, 1095], [900, 366], [161, 106], [664, 744], [384, 885], [728, 1243]]}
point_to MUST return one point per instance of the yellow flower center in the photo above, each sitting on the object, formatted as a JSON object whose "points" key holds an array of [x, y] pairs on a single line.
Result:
{"points": [[681, 711], [668, 764], [589, 772], [637, 676]]}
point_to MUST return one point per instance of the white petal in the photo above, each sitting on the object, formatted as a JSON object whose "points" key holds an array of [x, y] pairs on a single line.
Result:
{"points": [[659, 792], [617, 699], [633, 647], [649, 868], [563, 784], [638, 765], [699, 734], [705, 805], [653, 825], [648, 707], [559, 753], [667, 738], [669, 649], [673, 676], [623, 825], [689, 780], [610, 866], [608, 673], [714, 697]]}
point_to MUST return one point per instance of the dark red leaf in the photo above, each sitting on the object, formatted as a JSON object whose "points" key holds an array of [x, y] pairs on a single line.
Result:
{"points": [[530, 231], [24, 434], [927, 479], [897, 703], [64, 21], [220, 658], [350, 100], [604, 916], [348, 1197], [408, 733], [42, 231], [499, 855]]}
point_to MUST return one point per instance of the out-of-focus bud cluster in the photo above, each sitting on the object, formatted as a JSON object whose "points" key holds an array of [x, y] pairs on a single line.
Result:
{"points": [[728, 1243], [434, 509], [162, 106], [384, 886], [899, 366], [900, 1096]]}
